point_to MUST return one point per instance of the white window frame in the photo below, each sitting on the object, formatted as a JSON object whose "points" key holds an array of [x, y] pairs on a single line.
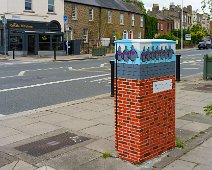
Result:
{"points": [[74, 12], [161, 27], [85, 35], [139, 35], [142, 21], [131, 34], [52, 5], [125, 33], [109, 17], [121, 19], [133, 20], [91, 14], [30, 2]]}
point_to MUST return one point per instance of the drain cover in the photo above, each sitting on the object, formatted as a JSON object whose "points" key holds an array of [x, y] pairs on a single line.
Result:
{"points": [[51, 144]]}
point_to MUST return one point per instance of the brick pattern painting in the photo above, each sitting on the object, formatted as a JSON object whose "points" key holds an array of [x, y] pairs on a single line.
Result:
{"points": [[145, 126]]}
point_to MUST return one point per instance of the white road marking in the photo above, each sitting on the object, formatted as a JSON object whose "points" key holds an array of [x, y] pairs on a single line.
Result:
{"points": [[50, 83], [190, 68], [99, 80], [199, 60], [8, 77], [102, 65], [2, 115], [21, 73]]}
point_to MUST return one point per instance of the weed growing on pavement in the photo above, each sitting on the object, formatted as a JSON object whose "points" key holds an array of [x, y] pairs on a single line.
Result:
{"points": [[208, 110], [106, 155], [179, 143]]}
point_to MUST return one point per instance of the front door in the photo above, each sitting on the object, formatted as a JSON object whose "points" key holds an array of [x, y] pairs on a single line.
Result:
{"points": [[31, 44]]}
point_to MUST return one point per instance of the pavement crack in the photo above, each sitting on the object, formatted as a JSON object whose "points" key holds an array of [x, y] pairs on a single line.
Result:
{"points": [[15, 165]]}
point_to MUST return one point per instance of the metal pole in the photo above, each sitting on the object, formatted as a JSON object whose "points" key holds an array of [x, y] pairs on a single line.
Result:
{"points": [[55, 58], [67, 41], [5, 37], [182, 27], [13, 53], [178, 67], [116, 56], [112, 78]]}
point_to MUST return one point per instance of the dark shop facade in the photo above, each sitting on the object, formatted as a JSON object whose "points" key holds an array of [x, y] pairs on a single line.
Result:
{"points": [[31, 37]]}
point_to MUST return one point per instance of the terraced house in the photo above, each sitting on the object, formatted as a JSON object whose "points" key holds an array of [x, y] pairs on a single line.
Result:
{"points": [[94, 20]]}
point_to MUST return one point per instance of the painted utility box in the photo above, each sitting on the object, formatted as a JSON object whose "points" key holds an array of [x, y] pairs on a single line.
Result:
{"points": [[145, 101]]}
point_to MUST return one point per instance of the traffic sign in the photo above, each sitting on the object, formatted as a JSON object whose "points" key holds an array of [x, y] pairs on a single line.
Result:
{"points": [[65, 19], [188, 37]]}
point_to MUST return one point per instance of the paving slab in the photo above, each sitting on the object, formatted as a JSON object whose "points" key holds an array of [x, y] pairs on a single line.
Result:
{"points": [[73, 159], [184, 135], [39, 114], [105, 120], [108, 164], [52, 118], [18, 165], [88, 114], [102, 131], [179, 164], [199, 155], [76, 124], [38, 128], [45, 168], [68, 110], [6, 131], [203, 167], [197, 118], [102, 145], [14, 138], [196, 127], [180, 123], [208, 143], [17, 122]]}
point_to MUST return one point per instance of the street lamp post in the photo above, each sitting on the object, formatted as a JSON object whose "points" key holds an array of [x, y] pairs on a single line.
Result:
{"points": [[182, 27]]}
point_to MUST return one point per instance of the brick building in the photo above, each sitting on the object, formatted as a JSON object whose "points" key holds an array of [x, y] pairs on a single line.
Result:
{"points": [[92, 20], [165, 25]]}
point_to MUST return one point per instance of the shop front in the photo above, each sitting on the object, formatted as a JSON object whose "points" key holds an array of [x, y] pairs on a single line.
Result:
{"points": [[33, 38]]}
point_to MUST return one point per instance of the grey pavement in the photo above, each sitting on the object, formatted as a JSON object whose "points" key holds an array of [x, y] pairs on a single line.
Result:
{"points": [[90, 121]]}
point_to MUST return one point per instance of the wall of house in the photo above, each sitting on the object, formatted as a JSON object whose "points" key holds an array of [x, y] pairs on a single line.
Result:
{"points": [[39, 11], [100, 26]]}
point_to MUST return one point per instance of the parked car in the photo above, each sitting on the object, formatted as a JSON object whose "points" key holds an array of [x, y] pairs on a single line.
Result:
{"points": [[202, 45]]}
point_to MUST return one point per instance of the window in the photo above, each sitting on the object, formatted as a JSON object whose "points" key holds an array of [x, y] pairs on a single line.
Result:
{"points": [[133, 20], [85, 35], [1, 38], [161, 27], [139, 35], [44, 42], [15, 41], [74, 12], [109, 16], [131, 34], [142, 22], [50, 5], [57, 42], [125, 35], [28, 4], [122, 19], [91, 14]]}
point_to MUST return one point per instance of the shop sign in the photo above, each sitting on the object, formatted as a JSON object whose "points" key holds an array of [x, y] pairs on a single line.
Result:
{"points": [[16, 25]]}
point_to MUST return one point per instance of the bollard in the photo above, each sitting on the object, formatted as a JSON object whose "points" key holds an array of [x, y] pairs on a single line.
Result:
{"points": [[178, 67], [112, 78], [13, 53], [55, 57]]}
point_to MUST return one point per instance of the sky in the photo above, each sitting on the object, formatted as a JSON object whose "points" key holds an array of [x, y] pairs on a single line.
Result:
{"points": [[196, 4]]}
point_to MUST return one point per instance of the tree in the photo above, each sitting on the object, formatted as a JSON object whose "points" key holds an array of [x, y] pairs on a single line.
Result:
{"points": [[151, 26], [207, 4], [139, 4]]}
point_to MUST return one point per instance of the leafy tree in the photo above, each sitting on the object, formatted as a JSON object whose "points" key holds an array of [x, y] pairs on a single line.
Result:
{"points": [[139, 4], [207, 4], [151, 26]]}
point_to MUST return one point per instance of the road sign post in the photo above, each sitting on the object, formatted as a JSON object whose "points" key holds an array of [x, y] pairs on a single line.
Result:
{"points": [[65, 19], [4, 21]]}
